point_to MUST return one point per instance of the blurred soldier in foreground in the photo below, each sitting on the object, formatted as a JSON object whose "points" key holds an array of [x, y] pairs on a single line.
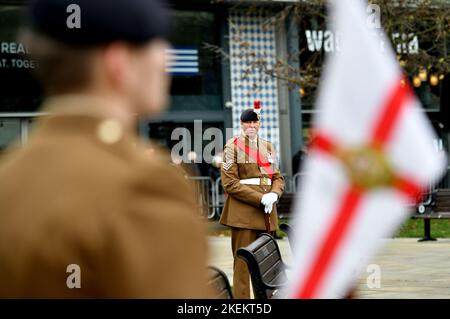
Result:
{"points": [[84, 211], [254, 184]]}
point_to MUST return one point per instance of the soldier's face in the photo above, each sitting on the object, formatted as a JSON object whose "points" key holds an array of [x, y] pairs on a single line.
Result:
{"points": [[251, 128], [151, 89]]}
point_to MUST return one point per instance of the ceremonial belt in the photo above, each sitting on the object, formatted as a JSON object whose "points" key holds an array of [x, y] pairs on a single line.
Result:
{"points": [[256, 181], [257, 156]]}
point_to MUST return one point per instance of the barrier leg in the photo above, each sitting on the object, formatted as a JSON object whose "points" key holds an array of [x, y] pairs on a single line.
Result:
{"points": [[427, 231]]}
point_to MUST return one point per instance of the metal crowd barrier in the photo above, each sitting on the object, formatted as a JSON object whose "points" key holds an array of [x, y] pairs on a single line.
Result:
{"points": [[220, 196], [288, 187], [205, 195], [428, 198], [296, 181], [210, 195]]}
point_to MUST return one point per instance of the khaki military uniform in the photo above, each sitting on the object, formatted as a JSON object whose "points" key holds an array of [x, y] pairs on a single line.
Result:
{"points": [[243, 210], [84, 192]]}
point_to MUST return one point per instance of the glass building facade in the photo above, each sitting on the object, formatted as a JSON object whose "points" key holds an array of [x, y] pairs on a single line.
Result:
{"points": [[205, 87]]}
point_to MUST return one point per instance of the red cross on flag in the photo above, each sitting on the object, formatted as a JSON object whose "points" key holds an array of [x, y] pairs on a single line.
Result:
{"points": [[371, 156]]}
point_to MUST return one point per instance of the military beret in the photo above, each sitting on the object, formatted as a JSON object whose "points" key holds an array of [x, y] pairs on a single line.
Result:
{"points": [[99, 21], [249, 115]]}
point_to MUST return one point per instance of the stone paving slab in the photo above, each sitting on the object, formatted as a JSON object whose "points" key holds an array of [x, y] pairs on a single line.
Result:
{"points": [[408, 269], [411, 269]]}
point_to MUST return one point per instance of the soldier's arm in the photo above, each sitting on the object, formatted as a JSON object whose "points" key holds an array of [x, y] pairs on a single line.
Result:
{"points": [[278, 179], [231, 181]]}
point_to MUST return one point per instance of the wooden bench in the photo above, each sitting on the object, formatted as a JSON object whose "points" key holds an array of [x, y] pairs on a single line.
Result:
{"points": [[265, 265], [219, 284], [436, 206]]}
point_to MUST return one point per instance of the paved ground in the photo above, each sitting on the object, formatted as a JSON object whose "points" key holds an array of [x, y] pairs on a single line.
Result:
{"points": [[408, 269]]}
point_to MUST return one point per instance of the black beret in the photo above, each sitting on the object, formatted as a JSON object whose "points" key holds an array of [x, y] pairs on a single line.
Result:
{"points": [[249, 115], [101, 21]]}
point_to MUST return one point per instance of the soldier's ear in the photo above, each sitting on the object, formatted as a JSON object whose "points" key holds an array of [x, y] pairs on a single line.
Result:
{"points": [[116, 60]]}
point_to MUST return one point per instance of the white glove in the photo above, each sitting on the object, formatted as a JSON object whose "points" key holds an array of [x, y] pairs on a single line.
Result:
{"points": [[268, 200]]}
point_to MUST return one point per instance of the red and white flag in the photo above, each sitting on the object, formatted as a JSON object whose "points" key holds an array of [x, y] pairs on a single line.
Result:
{"points": [[372, 155]]}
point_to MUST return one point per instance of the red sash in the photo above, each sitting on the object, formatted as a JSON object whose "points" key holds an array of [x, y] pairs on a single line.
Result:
{"points": [[257, 156]]}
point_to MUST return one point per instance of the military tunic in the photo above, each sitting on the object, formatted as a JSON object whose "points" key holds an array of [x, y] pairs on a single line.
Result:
{"points": [[84, 192], [243, 210]]}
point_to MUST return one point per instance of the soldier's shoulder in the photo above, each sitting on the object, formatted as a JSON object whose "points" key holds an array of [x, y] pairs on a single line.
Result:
{"points": [[266, 142], [230, 142]]}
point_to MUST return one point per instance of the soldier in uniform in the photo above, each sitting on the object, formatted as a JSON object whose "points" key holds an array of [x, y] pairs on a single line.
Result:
{"points": [[84, 210], [253, 184]]}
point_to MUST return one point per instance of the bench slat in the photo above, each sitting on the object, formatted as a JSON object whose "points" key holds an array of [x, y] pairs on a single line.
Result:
{"points": [[218, 283], [272, 273], [265, 251], [279, 279], [269, 262], [442, 202]]}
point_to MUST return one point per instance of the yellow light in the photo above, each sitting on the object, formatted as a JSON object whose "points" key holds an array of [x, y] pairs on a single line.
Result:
{"points": [[302, 92], [441, 77], [402, 83], [402, 63], [434, 80], [423, 74], [417, 81]]}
